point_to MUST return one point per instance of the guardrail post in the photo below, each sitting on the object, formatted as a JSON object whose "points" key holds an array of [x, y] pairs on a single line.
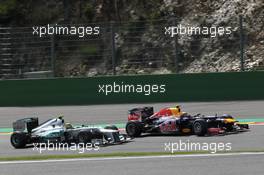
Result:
{"points": [[53, 54], [175, 47], [113, 49], [67, 9], [242, 43]]}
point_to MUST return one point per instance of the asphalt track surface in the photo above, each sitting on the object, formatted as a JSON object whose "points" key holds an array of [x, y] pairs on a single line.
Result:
{"points": [[213, 165], [252, 140], [118, 113], [96, 114]]}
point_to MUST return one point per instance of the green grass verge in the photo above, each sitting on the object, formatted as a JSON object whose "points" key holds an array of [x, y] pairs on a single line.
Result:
{"points": [[105, 155]]}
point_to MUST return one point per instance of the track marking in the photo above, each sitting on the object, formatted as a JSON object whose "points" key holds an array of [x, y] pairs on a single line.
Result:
{"points": [[130, 158], [6, 133]]}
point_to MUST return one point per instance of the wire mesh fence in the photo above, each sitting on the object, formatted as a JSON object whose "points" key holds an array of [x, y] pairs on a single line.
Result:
{"points": [[139, 47], [22, 53]]}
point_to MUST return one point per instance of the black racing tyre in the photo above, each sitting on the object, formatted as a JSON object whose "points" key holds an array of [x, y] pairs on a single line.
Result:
{"points": [[133, 129], [84, 137], [200, 127], [18, 140], [112, 127]]}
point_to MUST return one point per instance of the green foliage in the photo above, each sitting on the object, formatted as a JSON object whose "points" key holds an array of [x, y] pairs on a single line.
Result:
{"points": [[89, 50], [7, 6], [153, 9], [89, 11]]}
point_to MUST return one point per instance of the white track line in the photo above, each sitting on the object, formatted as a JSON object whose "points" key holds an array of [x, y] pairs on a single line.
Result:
{"points": [[129, 158]]}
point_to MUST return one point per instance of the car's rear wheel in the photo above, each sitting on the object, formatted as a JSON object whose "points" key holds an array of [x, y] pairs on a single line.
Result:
{"points": [[18, 140], [133, 129], [200, 127]]}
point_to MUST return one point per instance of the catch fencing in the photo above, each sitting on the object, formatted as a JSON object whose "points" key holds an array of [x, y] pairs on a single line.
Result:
{"points": [[138, 47]]}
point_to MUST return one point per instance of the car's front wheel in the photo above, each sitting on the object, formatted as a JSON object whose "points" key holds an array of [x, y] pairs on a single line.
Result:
{"points": [[200, 127]]}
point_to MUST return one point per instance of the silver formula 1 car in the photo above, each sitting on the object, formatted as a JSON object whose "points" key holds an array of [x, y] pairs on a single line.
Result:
{"points": [[28, 131]]}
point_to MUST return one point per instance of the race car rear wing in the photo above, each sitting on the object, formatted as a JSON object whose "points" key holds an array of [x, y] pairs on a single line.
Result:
{"points": [[140, 113], [25, 125]]}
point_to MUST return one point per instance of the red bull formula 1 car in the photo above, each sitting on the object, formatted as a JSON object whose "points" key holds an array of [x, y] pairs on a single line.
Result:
{"points": [[144, 120]]}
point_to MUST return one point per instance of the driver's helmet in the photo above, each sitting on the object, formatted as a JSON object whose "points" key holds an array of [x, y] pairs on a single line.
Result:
{"points": [[178, 107], [68, 126]]}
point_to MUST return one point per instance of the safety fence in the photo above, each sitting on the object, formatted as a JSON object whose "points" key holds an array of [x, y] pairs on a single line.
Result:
{"points": [[138, 47]]}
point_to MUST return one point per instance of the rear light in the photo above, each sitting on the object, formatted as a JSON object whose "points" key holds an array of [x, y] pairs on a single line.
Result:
{"points": [[133, 117]]}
